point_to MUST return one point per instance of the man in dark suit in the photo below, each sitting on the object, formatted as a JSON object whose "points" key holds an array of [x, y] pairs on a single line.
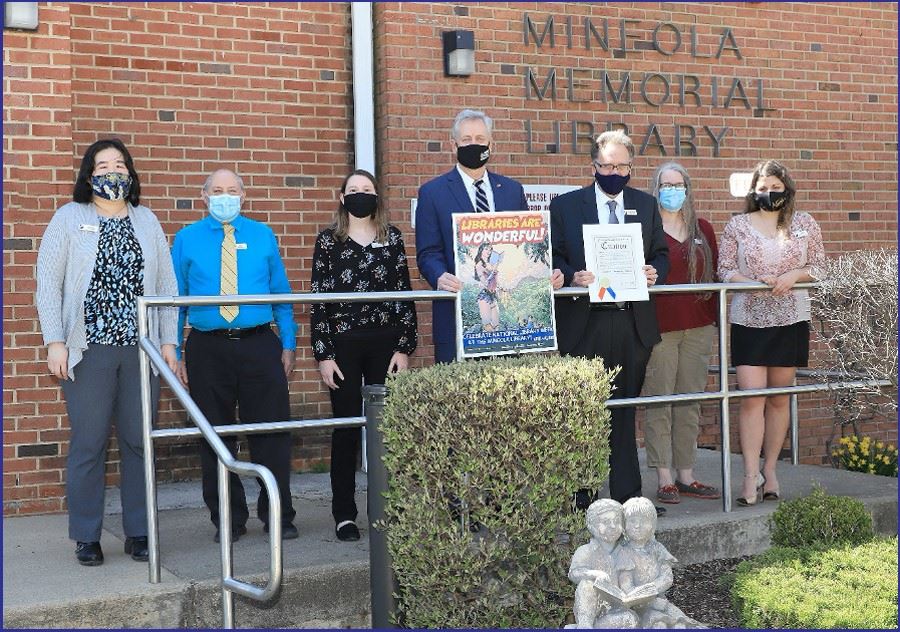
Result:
{"points": [[467, 188], [621, 333]]}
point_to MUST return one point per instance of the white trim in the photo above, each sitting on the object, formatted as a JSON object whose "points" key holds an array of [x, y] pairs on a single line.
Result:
{"points": [[363, 85]]}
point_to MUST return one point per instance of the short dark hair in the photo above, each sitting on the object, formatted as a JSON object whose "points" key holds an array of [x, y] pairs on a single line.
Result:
{"points": [[83, 192]]}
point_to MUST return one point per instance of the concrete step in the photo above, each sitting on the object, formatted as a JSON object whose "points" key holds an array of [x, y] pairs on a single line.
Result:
{"points": [[326, 582]]}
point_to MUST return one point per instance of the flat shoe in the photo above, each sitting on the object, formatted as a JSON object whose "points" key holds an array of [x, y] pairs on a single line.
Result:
{"points": [[137, 548], [668, 494], [698, 490], [347, 531], [288, 531]]}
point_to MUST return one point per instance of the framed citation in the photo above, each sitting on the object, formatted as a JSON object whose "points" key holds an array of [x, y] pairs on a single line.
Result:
{"points": [[615, 254]]}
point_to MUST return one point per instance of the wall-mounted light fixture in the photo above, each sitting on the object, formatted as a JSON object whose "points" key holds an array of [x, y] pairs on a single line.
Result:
{"points": [[20, 15], [459, 53]]}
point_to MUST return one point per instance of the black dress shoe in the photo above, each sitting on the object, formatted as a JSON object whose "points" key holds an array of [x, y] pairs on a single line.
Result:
{"points": [[347, 531], [288, 531], [660, 511], [236, 534], [584, 498], [137, 548], [89, 553]]}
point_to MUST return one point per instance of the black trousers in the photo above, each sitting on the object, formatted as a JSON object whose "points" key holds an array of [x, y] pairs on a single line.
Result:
{"points": [[360, 354], [247, 373], [611, 335]]}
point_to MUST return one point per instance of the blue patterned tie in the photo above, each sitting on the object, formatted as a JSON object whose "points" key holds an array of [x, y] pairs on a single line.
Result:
{"points": [[481, 201]]}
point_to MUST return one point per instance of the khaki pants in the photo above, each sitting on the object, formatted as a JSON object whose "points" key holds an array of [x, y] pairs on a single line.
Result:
{"points": [[678, 364]]}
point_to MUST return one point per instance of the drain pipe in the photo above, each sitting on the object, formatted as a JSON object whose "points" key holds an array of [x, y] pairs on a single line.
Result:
{"points": [[363, 85]]}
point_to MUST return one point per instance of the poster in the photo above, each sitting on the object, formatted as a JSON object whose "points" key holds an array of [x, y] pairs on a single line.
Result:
{"points": [[615, 254], [504, 263]]}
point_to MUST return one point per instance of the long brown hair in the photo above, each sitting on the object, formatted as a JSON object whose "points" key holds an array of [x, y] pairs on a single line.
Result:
{"points": [[773, 168], [341, 216], [696, 237]]}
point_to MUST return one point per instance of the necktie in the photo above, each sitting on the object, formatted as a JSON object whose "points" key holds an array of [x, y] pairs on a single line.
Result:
{"points": [[481, 201], [612, 212], [228, 275]]}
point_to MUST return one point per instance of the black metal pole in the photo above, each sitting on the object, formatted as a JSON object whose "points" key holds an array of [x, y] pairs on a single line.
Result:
{"points": [[381, 573]]}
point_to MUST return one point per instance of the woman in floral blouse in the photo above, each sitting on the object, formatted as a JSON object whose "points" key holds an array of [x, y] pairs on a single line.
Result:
{"points": [[360, 252], [772, 244]]}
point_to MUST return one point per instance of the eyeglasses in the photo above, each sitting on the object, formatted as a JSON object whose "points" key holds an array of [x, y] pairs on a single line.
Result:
{"points": [[623, 169], [668, 187]]}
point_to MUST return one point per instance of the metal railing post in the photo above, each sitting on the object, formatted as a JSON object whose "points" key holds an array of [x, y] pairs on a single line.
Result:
{"points": [[795, 428], [381, 574], [155, 564], [724, 402], [224, 483]]}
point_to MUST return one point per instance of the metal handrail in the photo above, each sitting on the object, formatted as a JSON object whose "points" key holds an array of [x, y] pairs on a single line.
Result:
{"points": [[227, 463]]}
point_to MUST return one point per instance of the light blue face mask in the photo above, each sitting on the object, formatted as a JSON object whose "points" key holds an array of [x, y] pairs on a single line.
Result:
{"points": [[224, 208], [672, 199]]}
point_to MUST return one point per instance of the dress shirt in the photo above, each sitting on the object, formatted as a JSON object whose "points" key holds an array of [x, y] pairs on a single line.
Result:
{"points": [[469, 182], [603, 207], [197, 258]]}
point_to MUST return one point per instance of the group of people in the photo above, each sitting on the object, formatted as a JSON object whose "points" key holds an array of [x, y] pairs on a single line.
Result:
{"points": [[104, 249]]}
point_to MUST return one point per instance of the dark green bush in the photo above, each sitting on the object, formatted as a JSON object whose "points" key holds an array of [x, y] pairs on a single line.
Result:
{"points": [[512, 439], [821, 520], [839, 587]]}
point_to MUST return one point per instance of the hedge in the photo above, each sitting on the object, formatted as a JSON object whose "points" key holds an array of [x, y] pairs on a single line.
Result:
{"points": [[509, 440]]}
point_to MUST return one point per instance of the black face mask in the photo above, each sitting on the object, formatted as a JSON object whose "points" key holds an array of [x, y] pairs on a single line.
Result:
{"points": [[361, 205], [771, 200], [612, 183], [473, 156]]}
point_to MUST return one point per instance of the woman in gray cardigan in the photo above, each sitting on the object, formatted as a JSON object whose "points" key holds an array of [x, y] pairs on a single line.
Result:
{"points": [[99, 253]]}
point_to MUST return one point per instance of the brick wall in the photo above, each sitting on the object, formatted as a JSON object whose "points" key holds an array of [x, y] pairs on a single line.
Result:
{"points": [[266, 88]]}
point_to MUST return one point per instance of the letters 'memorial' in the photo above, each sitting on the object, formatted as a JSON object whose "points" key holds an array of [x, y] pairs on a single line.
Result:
{"points": [[622, 582]]}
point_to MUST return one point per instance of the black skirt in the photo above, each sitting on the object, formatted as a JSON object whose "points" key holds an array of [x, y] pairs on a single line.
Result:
{"points": [[787, 345]]}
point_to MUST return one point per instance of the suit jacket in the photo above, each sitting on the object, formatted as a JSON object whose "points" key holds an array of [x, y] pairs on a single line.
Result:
{"points": [[439, 198], [568, 213]]}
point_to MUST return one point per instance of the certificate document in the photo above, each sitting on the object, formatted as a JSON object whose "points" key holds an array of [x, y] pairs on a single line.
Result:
{"points": [[615, 254]]}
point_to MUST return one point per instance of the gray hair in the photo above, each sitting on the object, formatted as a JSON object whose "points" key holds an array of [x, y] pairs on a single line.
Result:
{"points": [[471, 115], [696, 237], [210, 177], [616, 136]]}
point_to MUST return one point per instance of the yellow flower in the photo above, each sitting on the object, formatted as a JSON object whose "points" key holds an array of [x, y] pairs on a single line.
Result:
{"points": [[844, 440], [891, 447], [885, 460], [871, 469], [879, 444], [851, 448]]}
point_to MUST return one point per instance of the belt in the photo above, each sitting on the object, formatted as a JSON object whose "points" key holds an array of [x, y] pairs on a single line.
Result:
{"points": [[236, 334], [611, 307]]}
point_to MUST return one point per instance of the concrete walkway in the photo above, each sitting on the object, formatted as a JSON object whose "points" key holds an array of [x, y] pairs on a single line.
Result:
{"points": [[326, 581]]}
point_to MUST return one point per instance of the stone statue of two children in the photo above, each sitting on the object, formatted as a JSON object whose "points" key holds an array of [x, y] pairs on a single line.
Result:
{"points": [[621, 582]]}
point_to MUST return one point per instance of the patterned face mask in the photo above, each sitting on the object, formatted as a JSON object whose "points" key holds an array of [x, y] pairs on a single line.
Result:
{"points": [[112, 185]]}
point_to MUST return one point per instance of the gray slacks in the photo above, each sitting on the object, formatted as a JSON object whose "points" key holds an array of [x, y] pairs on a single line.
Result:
{"points": [[106, 388]]}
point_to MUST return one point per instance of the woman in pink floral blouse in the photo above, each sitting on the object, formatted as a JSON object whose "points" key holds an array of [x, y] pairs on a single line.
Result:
{"points": [[772, 244]]}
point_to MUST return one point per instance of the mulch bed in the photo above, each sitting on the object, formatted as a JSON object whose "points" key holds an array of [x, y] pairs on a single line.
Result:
{"points": [[699, 593]]}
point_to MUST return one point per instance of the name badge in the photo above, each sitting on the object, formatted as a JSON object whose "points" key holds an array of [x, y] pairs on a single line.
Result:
{"points": [[89, 228], [630, 211], [240, 246], [801, 233], [376, 244]]}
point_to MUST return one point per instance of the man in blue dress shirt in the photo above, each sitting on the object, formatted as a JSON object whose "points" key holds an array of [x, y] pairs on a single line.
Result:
{"points": [[232, 356]]}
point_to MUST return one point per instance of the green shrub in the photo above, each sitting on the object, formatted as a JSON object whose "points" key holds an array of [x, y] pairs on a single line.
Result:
{"points": [[512, 439], [841, 587], [821, 520]]}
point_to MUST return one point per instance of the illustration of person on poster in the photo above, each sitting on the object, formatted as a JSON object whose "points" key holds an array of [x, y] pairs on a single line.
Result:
{"points": [[503, 261]]}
